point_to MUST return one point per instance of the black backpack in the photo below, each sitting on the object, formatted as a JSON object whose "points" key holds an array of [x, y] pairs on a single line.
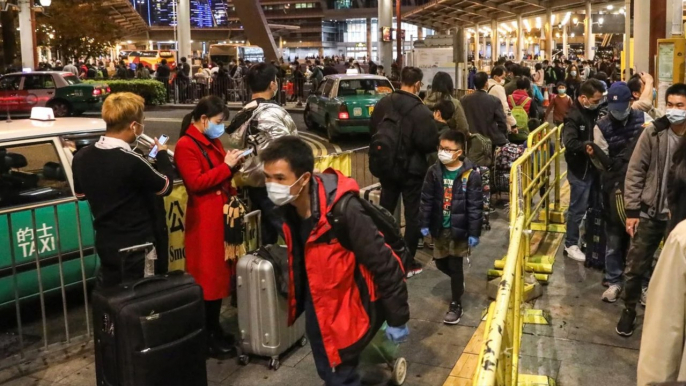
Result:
{"points": [[388, 158], [383, 220]]}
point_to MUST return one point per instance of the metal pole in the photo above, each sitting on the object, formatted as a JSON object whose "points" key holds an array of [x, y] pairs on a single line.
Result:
{"points": [[549, 35], [565, 44], [627, 39], [477, 44], [398, 34], [520, 39]]}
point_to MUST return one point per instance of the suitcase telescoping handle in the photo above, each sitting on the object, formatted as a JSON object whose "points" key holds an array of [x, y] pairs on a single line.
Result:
{"points": [[150, 257], [257, 215]]}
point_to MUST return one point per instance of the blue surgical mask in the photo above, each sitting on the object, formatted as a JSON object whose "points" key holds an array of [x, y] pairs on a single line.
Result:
{"points": [[676, 116], [572, 73], [214, 130]]}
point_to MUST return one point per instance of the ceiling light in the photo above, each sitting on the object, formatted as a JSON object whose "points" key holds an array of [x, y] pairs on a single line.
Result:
{"points": [[538, 22], [527, 25], [610, 6], [575, 20], [514, 24], [571, 35], [557, 35], [566, 18], [601, 20]]}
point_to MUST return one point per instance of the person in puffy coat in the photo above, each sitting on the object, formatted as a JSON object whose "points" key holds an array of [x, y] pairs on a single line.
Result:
{"points": [[207, 169], [451, 211]]}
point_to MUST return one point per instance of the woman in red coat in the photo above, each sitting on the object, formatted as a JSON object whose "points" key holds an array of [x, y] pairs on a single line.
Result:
{"points": [[206, 170]]}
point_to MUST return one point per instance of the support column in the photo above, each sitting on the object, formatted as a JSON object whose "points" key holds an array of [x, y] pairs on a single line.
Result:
{"points": [[477, 44], [677, 25], [589, 39], [26, 35], [183, 21], [495, 41], [255, 25], [483, 43], [369, 38], [385, 49], [398, 35], [549, 35], [460, 57], [565, 44], [520, 39], [641, 34], [658, 29]]}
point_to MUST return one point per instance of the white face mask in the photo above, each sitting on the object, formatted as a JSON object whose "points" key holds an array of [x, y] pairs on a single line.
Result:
{"points": [[676, 116], [445, 157], [281, 194]]}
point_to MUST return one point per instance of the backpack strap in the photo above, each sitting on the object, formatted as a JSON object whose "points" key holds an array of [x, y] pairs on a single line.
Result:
{"points": [[489, 89], [336, 218], [510, 99], [526, 100], [203, 151]]}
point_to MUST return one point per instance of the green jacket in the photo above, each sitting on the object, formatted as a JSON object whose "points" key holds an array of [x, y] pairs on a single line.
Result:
{"points": [[458, 121]]}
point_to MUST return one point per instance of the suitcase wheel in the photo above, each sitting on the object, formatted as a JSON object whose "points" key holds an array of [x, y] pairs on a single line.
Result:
{"points": [[399, 372], [274, 364], [244, 359], [303, 341]]}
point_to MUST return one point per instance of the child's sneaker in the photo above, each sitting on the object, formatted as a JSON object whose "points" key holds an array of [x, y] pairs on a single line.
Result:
{"points": [[454, 314]]}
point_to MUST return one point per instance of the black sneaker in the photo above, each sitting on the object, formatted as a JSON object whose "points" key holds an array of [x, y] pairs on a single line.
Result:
{"points": [[625, 327], [454, 314], [414, 268]]}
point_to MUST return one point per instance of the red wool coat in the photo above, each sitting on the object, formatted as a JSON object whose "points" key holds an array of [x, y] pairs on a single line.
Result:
{"points": [[207, 193]]}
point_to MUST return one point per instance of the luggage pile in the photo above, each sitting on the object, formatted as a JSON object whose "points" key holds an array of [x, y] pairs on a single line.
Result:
{"points": [[504, 158]]}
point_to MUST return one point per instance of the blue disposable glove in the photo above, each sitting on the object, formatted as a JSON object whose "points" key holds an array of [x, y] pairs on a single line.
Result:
{"points": [[473, 241], [425, 231], [397, 334]]}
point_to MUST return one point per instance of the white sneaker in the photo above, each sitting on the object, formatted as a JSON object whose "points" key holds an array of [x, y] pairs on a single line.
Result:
{"points": [[644, 296], [612, 293], [574, 253]]}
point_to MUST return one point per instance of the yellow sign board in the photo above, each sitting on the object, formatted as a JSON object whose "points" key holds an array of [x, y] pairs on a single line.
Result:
{"points": [[175, 205]]}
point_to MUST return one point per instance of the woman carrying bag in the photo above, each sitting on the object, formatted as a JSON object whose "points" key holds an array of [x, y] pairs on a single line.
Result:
{"points": [[206, 169]]}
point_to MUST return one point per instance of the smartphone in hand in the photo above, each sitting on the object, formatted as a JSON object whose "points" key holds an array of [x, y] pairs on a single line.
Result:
{"points": [[247, 152], [163, 139]]}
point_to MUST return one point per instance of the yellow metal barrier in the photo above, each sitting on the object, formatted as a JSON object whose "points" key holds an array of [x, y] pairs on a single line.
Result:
{"points": [[534, 177]]}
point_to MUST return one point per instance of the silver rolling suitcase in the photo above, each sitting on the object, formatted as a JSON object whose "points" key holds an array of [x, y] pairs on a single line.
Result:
{"points": [[262, 311]]}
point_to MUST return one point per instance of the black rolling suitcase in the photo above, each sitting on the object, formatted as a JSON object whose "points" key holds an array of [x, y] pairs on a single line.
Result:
{"points": [[150, 332]]}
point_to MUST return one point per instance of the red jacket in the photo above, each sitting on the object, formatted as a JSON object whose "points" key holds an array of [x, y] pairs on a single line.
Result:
{"points": [[519, 96], [352, 292], [207, 193]]}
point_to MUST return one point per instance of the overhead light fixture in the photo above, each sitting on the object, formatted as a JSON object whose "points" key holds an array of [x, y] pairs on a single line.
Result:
{"points": [[527, 25], [610, 6], [538, 22], [557, 35], [129, 42], [601, 20], [575, 20], [514, 24], [45, 3], [571, 35], [566, 18]]}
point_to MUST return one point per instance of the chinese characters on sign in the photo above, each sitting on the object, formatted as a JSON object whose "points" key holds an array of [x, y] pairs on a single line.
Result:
{"points": [[26, 240]]}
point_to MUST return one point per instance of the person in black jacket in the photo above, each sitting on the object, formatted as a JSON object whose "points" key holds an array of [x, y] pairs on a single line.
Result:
{"points": [[485, 112], [343, 308], [120, 185], [420, 138], [452, 207], [577, 132]]}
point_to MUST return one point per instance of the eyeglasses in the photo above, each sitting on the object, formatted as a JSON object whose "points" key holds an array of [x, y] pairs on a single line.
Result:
{"points": [[448, 150]]}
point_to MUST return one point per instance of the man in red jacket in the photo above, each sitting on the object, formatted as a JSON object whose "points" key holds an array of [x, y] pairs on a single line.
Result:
{"points": [[346, 294]]}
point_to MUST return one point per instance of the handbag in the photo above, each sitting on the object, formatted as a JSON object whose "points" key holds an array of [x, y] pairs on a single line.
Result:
{"points": [[234, 223]]}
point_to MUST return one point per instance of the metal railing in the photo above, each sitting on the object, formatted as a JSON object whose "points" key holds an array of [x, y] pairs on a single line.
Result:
{"points": [[536, 173], [41, 237], [190, 91]]}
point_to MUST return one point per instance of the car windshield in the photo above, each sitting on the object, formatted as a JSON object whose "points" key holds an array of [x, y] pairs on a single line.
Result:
{"points": [[350, 87], [71, 79]]}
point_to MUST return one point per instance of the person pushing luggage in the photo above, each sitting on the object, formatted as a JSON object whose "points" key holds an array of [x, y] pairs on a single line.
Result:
{"points": [[346, 294]]}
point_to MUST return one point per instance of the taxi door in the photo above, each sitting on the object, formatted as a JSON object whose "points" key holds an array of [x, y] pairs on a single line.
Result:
{"points": [[12, 98], [46, 235], [40, 88]]}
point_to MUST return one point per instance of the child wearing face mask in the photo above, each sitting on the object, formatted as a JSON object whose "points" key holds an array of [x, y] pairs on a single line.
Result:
{"points": [[451, 210], [560, 104]]}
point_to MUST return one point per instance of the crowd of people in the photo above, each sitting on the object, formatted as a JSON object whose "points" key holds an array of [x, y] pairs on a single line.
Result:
{"points": [[625, 159]]}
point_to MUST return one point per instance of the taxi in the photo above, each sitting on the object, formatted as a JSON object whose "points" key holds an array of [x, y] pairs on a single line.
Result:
{"points": [[344, 103], [46, 234], [62, 91]]}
